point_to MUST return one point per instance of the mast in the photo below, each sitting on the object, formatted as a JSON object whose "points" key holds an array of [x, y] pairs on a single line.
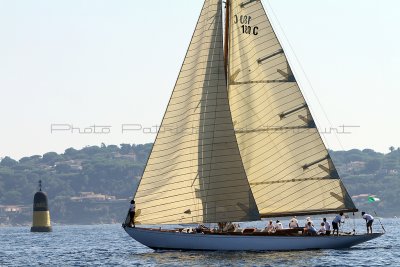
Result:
{"points": [[226, 43]]}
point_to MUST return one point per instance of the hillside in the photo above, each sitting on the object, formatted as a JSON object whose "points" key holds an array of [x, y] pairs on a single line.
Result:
{"points": [[100, 180], [110, 172], [372, 173]]}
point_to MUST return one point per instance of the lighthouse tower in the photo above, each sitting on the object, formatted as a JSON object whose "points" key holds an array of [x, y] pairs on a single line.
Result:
{"points": [[41, 214]]}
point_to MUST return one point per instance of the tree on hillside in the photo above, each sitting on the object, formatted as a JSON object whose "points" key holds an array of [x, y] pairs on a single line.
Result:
{"points": [[391, 148], [71, 152], [125, 149], [63, 168], [91, 150], [372, 165], [8, 162], [112, 148], [390, 164], [50, 158]]}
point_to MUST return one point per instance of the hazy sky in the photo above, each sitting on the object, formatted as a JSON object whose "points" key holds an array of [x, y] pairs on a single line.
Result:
{"points": [[108, 63]]}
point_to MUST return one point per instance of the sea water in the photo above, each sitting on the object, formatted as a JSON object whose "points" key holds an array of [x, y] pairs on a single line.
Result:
{"points": [[109, 245]]}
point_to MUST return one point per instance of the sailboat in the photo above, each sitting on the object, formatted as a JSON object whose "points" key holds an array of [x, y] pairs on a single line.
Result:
{"points": [[237, 143]]}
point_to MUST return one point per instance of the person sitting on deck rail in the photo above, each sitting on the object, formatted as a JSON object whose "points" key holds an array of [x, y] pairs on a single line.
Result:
{"points": [[221, 226], [201, 228], [270, 227], [309, 229], [278, 225], [308, 219], [293, 223], [229, 227], [322, 230]]}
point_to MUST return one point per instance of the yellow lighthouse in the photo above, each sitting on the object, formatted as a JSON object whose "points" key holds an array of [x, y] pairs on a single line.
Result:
{"points": [[41, 214]]}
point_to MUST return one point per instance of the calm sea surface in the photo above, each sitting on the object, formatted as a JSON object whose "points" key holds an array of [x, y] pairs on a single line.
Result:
{"points": [[109, 245]]}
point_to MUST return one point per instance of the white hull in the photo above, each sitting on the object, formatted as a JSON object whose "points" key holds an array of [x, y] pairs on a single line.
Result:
{"points": [[182, 241]]}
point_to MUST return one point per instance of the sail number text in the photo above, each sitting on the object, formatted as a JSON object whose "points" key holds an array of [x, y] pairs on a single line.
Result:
{"points": [[245, 21]]}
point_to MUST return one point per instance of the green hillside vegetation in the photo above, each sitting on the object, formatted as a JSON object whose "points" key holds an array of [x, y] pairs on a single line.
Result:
{"points": [[115, 171], [110, 170], [369, 172]]}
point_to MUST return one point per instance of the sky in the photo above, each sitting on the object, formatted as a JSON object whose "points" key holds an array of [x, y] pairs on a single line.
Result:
{"points": [[109, 67]]}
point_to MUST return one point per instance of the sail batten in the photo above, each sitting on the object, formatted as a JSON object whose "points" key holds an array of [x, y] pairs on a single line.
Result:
{"points": [[287, 164]]}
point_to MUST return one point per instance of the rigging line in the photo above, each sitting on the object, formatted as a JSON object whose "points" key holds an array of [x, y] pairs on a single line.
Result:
{"points": [[383, 228], [305, 75]]}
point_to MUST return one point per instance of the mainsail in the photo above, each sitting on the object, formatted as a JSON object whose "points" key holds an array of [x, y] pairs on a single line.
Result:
{"points": [[195, 172], [287, 164]]}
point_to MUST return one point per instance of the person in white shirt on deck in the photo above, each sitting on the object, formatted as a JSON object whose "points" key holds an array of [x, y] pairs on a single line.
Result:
{"points": [[322, 230], [308, 219], [369, 220], [270, 227], [293, 223], [278, 225], [336, 223], [327, 227]]}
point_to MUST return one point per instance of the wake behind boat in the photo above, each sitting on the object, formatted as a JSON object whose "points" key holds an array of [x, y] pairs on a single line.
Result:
{"points": [[237, 143]]}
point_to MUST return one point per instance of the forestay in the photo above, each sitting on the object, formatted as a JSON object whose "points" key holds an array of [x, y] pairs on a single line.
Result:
{"points": [[195, 172], [287, 164]]}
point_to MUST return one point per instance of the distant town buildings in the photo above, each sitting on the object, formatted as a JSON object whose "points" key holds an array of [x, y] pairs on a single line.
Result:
{"points": [[91, 196], [8, 212], [13, 209]]}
